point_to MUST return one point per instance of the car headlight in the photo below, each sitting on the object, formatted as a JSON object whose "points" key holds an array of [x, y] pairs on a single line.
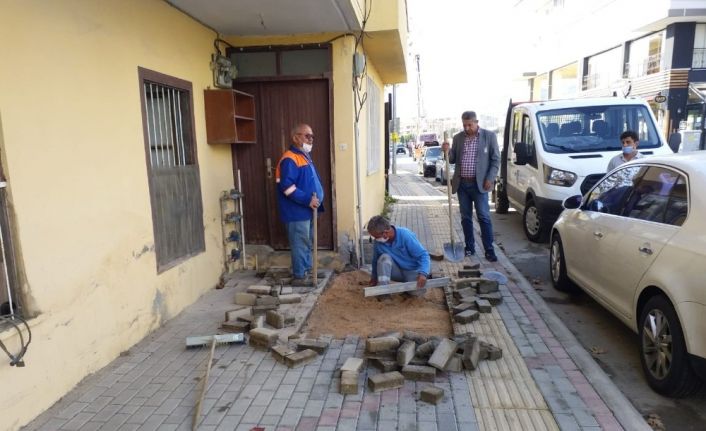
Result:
{"points": [[557, 177]]}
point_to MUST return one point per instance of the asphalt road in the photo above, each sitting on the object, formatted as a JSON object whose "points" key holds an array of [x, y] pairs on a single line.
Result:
{"points": [[612, 344]]}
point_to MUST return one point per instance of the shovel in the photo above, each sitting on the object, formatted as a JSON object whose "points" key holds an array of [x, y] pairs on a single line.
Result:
{"points": [[452, 251]]}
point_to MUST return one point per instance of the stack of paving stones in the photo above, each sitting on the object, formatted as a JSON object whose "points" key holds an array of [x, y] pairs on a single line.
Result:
{"points": [[260, 304], [412, 356], [471, 294]]}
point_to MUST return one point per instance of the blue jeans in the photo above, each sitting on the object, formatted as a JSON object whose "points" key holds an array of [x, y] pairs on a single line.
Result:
{"points": [[301, 242], [469, 196], [387, 269]]}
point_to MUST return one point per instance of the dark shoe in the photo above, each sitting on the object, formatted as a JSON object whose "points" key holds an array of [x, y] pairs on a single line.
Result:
{"points": [[302, 282], [491, 257], [470, 252], [319, 275]]}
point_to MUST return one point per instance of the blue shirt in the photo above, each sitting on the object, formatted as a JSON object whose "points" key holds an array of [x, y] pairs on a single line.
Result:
{"points": [[406, 250]]}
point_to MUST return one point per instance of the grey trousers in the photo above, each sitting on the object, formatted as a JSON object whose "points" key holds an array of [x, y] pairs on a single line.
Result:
{"points": [[388, 270]]}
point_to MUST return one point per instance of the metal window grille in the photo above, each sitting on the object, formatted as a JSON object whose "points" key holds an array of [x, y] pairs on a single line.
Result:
{"points": [[167, 132], [699, 58]]}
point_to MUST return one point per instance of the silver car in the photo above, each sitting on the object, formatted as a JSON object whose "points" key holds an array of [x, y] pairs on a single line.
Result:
{"points": [[636, 242]]}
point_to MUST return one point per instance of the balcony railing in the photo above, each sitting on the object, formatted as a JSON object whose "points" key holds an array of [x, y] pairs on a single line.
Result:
{"points": [[644, 67], [698, 61]]}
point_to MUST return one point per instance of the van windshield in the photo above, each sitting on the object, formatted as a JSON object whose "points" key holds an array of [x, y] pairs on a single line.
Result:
{"points": [[595, 128]]}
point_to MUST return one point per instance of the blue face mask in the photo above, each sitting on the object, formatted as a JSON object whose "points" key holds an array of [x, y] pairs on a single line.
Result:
{"points": [[628, 150]]}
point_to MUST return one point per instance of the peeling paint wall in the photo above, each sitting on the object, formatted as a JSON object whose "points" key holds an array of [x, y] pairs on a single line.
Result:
{"points": [[74, 157]]}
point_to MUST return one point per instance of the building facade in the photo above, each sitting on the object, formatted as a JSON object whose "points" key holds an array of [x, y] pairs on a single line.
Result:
{"points": [[652, 50]]}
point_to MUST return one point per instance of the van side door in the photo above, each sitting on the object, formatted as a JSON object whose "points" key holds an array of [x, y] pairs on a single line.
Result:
{"points": [[522, 153]]}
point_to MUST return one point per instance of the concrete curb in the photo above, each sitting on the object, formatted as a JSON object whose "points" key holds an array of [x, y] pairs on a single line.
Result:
{"points": [[622, 408]]}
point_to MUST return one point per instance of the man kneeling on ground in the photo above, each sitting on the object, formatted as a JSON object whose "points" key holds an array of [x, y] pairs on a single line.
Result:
{"points": [[397, 255]]}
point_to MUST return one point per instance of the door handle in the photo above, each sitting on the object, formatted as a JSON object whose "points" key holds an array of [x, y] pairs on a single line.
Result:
{"points": [[598, 235], [645, 249], [268, 164]]}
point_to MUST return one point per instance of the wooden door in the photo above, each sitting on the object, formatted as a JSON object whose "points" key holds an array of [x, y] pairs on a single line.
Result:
{"points": [[280, 105]]}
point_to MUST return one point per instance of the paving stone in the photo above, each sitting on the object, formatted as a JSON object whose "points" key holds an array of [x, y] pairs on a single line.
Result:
{"points": [[418, 361], [292, 298], [467, 316], [318, 346], [233, 314], [431, 394], [267, 300], [416, 337], [259, 289], [471, 266], [420, 373], [349, 383], [470, 300], [463, 306], [471, 355], [494, 353], [263, 338], [464, 293], [426, 349], [300, 358], [281, 351], [278, 320], [258, 310], [246, 317], [455, 364], [379, 344], [237, 326], [385, 381], [442, 354], [352, 364], [484, 306], [257, 322], [494, 298], [466, 273], [243, 298], [405, 353], [286, 290], [387, 355], [487, 286], [465, 283], [384, 365]]}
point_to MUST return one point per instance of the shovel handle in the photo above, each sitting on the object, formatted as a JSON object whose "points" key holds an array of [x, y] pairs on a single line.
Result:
{"points": [[316, 246], [448, 192]]}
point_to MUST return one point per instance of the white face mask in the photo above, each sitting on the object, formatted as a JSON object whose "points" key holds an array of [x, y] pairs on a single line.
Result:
{"points": [[307, 147], [381, 239]]}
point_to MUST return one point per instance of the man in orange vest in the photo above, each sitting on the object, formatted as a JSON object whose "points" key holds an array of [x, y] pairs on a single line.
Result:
{"points": [[299, 191]]}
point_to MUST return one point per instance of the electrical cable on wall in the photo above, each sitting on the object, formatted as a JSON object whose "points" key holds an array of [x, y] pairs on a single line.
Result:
{"points": [[16, 360]]}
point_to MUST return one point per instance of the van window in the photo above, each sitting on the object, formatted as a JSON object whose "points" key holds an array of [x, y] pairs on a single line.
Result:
{"points": [[595, 128], [516, 133], [528, 139]]}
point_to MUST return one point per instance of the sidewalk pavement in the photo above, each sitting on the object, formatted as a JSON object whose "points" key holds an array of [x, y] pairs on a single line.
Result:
{"points": [[544, 381]]}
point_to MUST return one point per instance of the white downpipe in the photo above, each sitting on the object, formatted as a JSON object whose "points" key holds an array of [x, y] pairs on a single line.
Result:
{"points": [[359, 206]]}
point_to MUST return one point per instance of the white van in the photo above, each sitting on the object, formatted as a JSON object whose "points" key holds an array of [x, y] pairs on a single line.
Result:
{"points": [[556, 149]]}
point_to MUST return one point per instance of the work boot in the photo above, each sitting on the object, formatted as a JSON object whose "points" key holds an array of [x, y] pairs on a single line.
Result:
{"points": [[302, 282]]}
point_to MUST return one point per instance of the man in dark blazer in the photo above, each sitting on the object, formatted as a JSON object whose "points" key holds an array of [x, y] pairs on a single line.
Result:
{"points": [[476, 157]]}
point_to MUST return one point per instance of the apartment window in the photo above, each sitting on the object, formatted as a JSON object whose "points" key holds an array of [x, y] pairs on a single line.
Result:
{"points": [[172, 167], [374, 131], [699, 58], [645, 55], [603, 69]]}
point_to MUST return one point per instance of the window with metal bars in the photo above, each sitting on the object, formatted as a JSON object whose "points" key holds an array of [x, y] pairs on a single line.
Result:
{"points": [[169, 140], [9, 296], [172, 166]]}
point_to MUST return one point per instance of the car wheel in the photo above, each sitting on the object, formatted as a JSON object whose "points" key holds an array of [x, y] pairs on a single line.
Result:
{"points": [[532, 223], [557, 266], [502, 204], [663, 352]]}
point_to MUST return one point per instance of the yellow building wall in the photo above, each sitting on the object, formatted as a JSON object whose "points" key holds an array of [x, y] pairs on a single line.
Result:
{"points": [[73, 153]]}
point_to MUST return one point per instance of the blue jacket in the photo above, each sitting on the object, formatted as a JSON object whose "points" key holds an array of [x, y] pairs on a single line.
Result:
{"points": [[406, 250], [297, 179]]}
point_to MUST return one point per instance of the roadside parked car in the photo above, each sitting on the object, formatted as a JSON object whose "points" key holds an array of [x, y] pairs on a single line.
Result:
{"points": [[427, 164], [401, 149], [441, 175], [636, 242]]}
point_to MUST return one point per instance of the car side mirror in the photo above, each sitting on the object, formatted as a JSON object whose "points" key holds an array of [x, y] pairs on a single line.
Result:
{"points": [[521, 156], [675, 141], [573, 202]]}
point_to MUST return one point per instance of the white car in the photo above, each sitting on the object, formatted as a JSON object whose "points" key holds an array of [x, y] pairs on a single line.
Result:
{"points": [[441, 175], [636, 242]]}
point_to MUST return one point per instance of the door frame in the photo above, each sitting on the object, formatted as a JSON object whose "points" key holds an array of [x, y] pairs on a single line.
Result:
{"points": [[328, 77]]}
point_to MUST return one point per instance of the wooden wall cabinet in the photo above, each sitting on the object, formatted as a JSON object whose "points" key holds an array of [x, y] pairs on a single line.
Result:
{"points": [[230, 117]]}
